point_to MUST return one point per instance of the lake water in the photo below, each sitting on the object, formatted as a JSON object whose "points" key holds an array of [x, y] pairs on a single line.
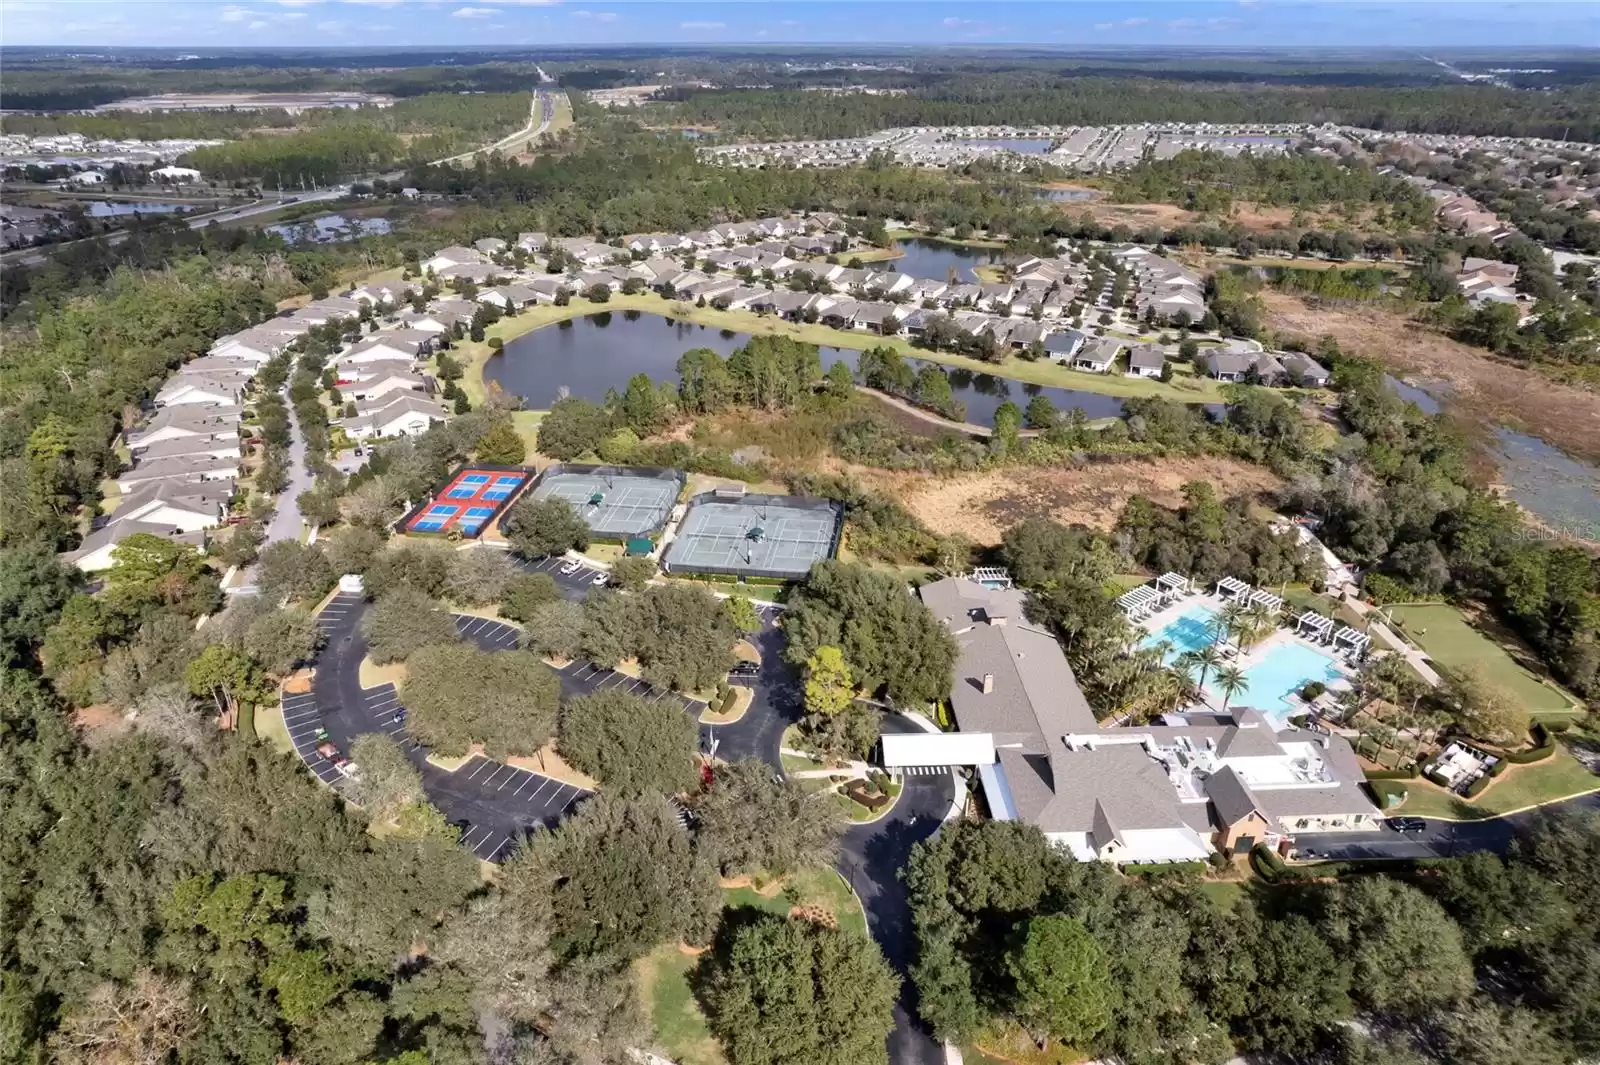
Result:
{"points": [[118, 209], [1063, 195], [328, 229], [1421, 397], [936, 258], [589, 355], [1020, 145], [1562, 491]]}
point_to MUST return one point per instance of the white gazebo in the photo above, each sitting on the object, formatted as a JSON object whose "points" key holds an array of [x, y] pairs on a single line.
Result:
{"points": [[1172, 585], [1313, 626], [1232, 589], [1138, 603], [1354, 641], [1262, 597], [991, 576]]}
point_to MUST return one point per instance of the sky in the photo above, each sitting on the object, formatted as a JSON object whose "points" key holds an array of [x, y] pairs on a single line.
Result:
{"points": [[1329, 23]]}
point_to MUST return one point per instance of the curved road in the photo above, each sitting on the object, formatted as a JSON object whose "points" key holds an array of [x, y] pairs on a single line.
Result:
{"points": [[495, 804]]}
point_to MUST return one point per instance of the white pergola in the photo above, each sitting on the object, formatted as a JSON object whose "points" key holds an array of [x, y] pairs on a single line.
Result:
{"points": [[1314, 625], [1172, 585], [1232, 588], [1139, 602], [991, 575], [1354, 639], [1261, 596]]}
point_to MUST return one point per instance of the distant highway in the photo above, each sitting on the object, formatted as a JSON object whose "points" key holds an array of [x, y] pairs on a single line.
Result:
{"points": [[540, 114]]}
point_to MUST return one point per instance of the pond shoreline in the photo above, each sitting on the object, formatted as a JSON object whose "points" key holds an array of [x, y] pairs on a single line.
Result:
{"points": [[475, 355]]}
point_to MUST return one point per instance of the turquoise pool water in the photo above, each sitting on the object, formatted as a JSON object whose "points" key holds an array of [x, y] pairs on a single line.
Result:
{"points": [[1190, 631], [1272, 685]]}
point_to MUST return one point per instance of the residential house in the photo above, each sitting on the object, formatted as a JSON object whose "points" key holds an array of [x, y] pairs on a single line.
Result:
{"points": [[532, 241], [185, 389], [185, 420], [454, 256], [1146, 360], [222, 447], [490, 246], [1098, 355], [188, 506], [95, 554], [396, 344], [477, 273], [373, 388], [1243, 366], [1064, 346], [1303, 370], [403, 415], [182, 468]]}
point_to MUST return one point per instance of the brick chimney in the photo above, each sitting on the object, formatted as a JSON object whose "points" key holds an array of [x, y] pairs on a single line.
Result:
{"points": [[988, 684]]}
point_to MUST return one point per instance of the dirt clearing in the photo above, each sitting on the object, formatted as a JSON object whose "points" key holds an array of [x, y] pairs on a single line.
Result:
{"points": [[982, 507], [1484, 389]]}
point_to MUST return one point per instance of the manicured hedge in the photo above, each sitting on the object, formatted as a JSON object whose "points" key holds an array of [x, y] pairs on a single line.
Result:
{"points": [[1385, 790], [1476, 787], [1163, 868], [1409, 773]]}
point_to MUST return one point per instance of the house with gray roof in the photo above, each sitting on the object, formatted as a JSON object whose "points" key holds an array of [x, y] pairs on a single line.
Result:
{"points": [[1303, 370], [1179, 788], [1243, 366], [1098, 355], [1146, 360]]}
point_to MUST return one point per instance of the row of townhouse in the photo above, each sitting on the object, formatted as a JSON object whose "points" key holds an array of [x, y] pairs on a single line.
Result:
{"points": [[1166, 289], [187, 453]]}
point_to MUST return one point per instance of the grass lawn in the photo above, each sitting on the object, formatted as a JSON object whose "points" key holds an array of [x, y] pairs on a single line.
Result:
{"points": [[1186, 388], [858, 813], [1444, 634], [662, 977], [526, 423], [1224, 894], [1557, 777], [271, 728]]}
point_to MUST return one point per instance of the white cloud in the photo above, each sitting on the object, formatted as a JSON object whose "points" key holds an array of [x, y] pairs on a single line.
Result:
{"points": [[234, 13], [597, 16], [374, 3], [790, 22], [330, 26], [532, 3], [474, 12], [695, 24], [258, 24], [1127, 23], [292, 15], [953, 22], [296, 3]]}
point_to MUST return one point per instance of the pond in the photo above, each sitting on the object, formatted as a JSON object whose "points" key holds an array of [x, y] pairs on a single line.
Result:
{"points": [[937, 258], [1420, 396], [1020, 145], [118, 209], [1563, 492], [587, 356], [329, 229], [1063, 195]]}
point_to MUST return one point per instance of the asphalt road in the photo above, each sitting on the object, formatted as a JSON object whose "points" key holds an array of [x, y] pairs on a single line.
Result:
{"points": [[286, 520], [1440, 839], [495, 804]]}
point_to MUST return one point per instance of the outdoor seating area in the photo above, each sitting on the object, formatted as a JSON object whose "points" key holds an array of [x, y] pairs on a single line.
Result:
{"points": [[1350, 645], [1457, 766]]}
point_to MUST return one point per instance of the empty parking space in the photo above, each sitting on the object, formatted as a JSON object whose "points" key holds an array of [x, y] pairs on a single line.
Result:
{"points": [[486, 633]]}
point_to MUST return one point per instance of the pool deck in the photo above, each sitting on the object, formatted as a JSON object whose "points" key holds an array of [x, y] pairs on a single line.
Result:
{"points": [[1249, 658]]}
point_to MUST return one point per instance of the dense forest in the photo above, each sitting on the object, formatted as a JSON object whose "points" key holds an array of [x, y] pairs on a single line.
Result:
{"points": [[1047, 98], [1474, 961]]}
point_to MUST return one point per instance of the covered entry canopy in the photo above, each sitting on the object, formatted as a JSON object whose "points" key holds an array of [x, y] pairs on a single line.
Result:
{"points": [[938, 748]]}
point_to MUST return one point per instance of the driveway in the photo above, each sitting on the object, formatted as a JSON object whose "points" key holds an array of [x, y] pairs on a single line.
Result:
{"points": [[286, 522], [1440, 839]]}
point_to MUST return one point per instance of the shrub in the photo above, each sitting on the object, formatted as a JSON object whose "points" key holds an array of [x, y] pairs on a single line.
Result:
{"points": [[1388, 793], [1383, 589], [1313, 690], [1410, 772], [1476, 787], [1167, 869]]}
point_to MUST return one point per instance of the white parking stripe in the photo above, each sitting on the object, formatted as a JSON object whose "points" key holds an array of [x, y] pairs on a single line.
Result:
{"points": [[490, 778], [473, 831], [482, 764], [544, 783], [531, 778]]}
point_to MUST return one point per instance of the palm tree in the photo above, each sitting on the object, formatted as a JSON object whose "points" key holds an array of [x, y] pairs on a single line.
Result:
{"points": [[1257, 622], [1228, 621], [1183, 678], [1205, 659], [1230, 682]]}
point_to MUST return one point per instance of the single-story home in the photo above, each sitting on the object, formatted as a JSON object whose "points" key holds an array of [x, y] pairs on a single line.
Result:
{"points": [[405, 415], [1146, 360], [1098, 356], [94, 555]]}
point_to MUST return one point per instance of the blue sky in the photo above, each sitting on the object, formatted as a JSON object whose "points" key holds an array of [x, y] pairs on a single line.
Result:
{"points": [[243, 23]]}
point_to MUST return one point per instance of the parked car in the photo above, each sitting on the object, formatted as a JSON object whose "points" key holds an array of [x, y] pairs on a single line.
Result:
{"points": [[399, 716], [570, 568], [350, 770], [1406, 824], [328, 751], [601, 578], [745, 669]]}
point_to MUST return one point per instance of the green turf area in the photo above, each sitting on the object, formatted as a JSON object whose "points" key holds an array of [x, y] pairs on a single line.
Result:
{"points": [[1444, 634], [1224, 894], [663, 977]]}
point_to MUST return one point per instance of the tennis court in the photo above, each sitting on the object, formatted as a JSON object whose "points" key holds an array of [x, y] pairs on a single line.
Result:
{"points": [[616, 503], [467, 503], [758, 536]]}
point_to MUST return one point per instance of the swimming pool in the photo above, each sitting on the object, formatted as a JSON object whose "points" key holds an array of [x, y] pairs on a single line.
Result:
{"points": [[1189, 631], [1272, 684]]}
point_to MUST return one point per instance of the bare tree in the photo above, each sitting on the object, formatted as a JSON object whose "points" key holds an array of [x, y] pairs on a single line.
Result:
{"points": [[139, 1024]]}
